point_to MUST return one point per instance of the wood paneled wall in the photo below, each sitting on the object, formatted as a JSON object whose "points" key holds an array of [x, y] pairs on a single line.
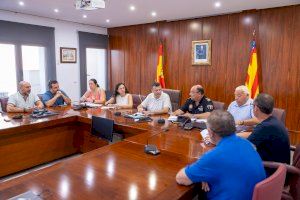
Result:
{"points": [[133, 55]]}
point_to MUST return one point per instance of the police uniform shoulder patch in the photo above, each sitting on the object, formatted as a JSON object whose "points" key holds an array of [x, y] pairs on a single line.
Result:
{"points": [[210, 107]]}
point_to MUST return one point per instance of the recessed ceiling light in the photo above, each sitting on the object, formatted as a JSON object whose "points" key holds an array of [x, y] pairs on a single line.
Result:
{"points": [[84, 16], [107, 21], [132, 8], [21, 3], [153, 14], [56, 10], [217, 4]]}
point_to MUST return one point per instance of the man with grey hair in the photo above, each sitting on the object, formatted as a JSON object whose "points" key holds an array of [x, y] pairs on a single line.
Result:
{"points": [[270, 136], [23, 100], [242, 108], [231, 169]]}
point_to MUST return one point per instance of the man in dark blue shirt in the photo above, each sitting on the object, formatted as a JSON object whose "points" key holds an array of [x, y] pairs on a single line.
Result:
{"points": [[231, 169], [270, 136], [197, 106], [54, 96]]}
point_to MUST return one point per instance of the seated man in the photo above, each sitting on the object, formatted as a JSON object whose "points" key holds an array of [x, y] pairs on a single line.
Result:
{"points": [[198, 105], [231, 169], [54, 96], [270, 136], [23, 100], [157, 102], [242, 107]]}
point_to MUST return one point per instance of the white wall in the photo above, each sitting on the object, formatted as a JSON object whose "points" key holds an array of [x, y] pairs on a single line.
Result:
{"points": [[65, 36]]}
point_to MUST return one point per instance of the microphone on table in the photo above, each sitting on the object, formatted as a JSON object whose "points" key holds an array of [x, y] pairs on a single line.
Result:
{"points": [[151, 148]]}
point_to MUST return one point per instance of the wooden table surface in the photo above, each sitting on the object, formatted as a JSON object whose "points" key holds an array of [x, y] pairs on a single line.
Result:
{"points": [[118, 171]]}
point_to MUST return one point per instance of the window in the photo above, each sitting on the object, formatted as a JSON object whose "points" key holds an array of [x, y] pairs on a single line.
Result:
{"points": [[8, 77], [33, 58]]}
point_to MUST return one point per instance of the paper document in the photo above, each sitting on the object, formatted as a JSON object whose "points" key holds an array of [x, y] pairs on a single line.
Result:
{"points": [[172, 118], [91, 105], [201, 120], [204, 133]]}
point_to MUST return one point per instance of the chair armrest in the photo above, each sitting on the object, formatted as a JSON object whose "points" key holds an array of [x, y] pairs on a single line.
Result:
{"points": [[290, 169], [293, 148]]}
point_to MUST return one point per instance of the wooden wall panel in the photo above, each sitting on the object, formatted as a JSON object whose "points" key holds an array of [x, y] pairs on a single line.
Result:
{"points": [[240, 29], [116, 57], [277, 36], [293, 103], [169, 33], [190, 30], [132, 58], [148, 55], [213, 79]]}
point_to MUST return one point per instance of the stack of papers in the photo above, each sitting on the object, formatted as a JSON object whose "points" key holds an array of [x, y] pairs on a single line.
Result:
{"points": [[201, 120], [204, 133], [91, 105], [107, 107], [172, 118]]}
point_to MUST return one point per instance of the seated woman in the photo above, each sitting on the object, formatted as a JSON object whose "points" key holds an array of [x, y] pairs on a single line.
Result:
{"points": [[121, 97], [95, 94]]}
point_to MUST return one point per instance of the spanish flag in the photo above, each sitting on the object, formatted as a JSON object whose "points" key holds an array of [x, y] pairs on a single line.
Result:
{"points": [[159, 71], [252, 75]]}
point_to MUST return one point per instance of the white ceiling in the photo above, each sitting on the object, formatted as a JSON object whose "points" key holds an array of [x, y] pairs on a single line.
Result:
{"points": [[119, 14]]}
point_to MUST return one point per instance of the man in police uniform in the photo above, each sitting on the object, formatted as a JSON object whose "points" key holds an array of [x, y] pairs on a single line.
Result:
{"points": [[197, 106]]}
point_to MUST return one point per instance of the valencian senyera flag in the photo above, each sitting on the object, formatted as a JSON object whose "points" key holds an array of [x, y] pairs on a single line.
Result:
{"points": [[159, 71], [252, 74]]}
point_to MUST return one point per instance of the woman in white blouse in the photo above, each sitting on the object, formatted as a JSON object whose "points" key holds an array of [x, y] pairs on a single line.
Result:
{"points": [[121, 97]]}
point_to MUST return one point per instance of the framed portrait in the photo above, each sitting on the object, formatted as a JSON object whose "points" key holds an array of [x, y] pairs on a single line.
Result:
{"points": [[68, 55], [201, 52]]}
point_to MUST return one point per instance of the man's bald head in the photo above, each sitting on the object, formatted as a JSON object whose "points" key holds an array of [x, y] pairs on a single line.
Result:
{"points": [[197, 92], [24, 88]]}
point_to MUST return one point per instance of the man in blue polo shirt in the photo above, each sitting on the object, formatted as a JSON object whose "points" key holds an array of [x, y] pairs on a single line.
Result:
{"points": [[231, 169], [54, 96]]}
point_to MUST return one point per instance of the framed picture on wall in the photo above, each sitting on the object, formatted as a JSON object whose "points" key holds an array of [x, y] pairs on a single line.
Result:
{"points": [[201, 52], [68, 55]]}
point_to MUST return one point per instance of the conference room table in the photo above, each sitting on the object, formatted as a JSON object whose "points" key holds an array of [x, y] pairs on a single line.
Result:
{"points": [[101, 170]]}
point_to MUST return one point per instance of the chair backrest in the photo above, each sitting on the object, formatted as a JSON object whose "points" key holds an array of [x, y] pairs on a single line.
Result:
{"points": [[294, 180], [3, 102], [296, 157], [218, 105], [108, 94], [102, 127], [271, 187], [280, 114], [137, 99], [175, 97], [40, 96]]}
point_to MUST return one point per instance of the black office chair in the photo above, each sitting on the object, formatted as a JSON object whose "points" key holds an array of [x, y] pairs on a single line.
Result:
{"points": [[102, 128]]}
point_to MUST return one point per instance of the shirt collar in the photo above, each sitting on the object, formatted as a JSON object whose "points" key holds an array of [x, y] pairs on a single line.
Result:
{"points": [[226, 138], [159, 97], [248, 102]]}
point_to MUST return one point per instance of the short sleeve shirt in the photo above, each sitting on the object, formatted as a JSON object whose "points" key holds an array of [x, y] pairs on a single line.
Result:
{"points": [[205, 105], [231, 169], [59, 101], [18, 100], [271, 140], [242, 112], [153, 104]]}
